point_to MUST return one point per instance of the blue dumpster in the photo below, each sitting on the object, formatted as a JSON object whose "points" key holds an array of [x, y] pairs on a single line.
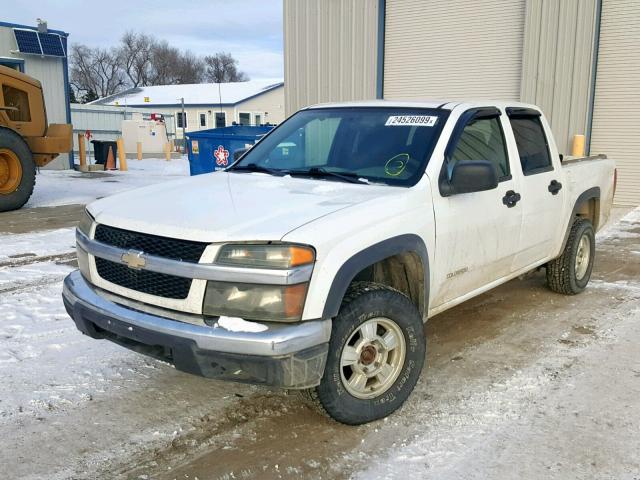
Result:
{"points": [[211, 150]]}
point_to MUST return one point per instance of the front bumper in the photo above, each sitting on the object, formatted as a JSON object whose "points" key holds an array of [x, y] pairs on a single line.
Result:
{"points": [[285, 355]]}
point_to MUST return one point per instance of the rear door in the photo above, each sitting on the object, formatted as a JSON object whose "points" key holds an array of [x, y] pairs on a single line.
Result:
{"points": [[477, 233], [541, 186]]}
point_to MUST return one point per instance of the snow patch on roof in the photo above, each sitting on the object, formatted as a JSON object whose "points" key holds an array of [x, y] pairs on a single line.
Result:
{"points": [[193, 94]]}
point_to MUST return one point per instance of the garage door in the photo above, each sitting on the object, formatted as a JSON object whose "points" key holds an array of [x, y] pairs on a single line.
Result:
{"points": [[616, 115], [453, 49]]}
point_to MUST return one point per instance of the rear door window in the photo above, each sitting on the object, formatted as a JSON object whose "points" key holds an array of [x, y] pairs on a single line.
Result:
{"points": [[533, 147]]}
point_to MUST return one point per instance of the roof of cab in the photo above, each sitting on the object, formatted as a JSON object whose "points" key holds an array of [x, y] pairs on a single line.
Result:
{"points": [[444, 104]]}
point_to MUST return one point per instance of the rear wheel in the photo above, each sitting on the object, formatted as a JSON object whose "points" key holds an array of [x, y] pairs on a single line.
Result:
{"points": [[17, 171], [570, 272], [376, 353]]}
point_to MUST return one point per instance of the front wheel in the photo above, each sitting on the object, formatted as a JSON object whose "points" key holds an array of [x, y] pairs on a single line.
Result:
{"points": [[376, 353], [570, 272]]}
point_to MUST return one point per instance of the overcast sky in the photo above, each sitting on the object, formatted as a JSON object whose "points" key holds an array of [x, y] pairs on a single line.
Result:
{"points": [[251, 30]]}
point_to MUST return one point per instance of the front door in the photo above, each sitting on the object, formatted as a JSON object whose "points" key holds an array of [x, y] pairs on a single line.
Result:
{"points": [[477, 234]]}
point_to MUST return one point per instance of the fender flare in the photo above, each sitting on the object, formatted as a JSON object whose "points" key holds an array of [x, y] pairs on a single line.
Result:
{"points": [[367, 257], [593, 192]]}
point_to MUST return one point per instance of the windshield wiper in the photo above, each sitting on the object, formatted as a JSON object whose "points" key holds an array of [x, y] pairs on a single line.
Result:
{"points": [[253, 167], [321, 172]]}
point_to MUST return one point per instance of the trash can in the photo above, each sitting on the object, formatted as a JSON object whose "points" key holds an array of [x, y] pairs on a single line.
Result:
{"points": [[211, 150], [101, 150]]}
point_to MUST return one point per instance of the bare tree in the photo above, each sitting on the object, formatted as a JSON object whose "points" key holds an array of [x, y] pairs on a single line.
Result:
{"points": [[135, 55], [141, 60], [223, 68], [96, 70], [170, 66], [191, 68]]}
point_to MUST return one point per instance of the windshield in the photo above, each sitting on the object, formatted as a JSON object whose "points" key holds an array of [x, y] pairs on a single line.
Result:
{"points": [[377, 145]]}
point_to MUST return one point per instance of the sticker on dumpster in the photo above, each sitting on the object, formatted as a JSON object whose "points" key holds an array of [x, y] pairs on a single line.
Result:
{"points": [[411, 121], [222, 156], [195, 148]]}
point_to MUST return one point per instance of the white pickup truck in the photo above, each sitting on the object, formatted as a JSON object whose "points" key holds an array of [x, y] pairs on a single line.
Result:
{"points": [[312, 262]]}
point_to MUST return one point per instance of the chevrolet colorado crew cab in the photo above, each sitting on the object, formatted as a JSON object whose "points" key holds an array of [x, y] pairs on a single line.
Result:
{"points": [[313, 260]]}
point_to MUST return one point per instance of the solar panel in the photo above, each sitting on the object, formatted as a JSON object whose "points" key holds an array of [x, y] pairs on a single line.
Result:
{"points": [[27, 41], [51, 44]]}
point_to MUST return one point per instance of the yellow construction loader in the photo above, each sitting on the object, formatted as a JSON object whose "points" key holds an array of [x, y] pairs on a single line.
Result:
{"points": [[26, 141]]}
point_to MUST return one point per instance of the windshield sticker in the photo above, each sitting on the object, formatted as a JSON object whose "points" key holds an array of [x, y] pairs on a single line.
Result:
{"points": [[411, 121], [396, 165]]}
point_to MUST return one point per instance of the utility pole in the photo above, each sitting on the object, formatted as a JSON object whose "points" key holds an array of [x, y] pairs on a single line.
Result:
{"points": [[184, 121]]}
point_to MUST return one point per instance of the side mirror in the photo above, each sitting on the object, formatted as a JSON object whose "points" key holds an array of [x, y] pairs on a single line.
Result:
{"points": [[471, 176]]}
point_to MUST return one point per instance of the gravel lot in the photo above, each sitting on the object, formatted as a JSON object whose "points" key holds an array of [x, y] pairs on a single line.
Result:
{"points": [[520, 382]]}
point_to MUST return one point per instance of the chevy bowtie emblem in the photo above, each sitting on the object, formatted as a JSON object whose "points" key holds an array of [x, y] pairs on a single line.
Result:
{"points": [[134, 259]]}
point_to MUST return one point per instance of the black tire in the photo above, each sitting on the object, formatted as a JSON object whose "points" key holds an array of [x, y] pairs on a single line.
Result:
{"points": [[363, 302], [561, 272], [15, 199]]}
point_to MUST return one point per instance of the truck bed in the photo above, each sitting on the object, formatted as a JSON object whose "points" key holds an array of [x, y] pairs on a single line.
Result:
{"points": [[596, 171]]}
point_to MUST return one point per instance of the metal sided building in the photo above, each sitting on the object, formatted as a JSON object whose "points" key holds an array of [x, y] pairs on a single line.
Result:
{"points": [[578, 59], [42, 54]]}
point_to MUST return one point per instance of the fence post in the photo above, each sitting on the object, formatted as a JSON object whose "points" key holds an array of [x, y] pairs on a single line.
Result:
{"points": [[122, 156], [82, 151], [139, 146], [577, 146]]}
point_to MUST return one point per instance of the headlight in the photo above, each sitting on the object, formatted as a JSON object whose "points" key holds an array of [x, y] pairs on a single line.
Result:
{"points": [[279, 303], [265, 256], [283, 303], [86, 222]]}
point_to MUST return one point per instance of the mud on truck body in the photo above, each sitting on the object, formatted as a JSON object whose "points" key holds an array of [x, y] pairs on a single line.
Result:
{"points": [[313, 261]]}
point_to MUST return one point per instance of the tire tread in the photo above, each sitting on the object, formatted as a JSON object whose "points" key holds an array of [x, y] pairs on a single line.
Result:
{"points": [[559, 270], [310, 396]]}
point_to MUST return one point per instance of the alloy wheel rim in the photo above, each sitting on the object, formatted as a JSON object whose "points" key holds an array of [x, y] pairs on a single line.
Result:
{"points": [[10, 172], [372, 358], [583, 256]]}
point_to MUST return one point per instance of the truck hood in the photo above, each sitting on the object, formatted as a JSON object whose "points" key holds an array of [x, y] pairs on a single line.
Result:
{"points": [[223, 206]]}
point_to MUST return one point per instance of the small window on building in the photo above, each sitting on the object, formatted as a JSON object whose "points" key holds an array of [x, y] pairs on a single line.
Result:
{"points": [[18, 103], [258, 119], [532, 144], [19, 66], [221, 120], [244, 118], [483, 139], [181, 121], [203, 119]]}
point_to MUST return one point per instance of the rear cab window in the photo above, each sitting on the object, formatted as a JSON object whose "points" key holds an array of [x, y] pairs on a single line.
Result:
{"points": [[531, 140]]}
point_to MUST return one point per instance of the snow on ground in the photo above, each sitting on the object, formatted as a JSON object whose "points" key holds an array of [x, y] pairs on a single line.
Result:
{"points": [[48, 368], [44, 361], [503, 417], [63, 187], [626, 227], [48, 242]]}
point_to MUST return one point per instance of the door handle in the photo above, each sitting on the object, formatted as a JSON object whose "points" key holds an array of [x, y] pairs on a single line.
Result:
{"points": [[511, 198], [554, 187]]}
